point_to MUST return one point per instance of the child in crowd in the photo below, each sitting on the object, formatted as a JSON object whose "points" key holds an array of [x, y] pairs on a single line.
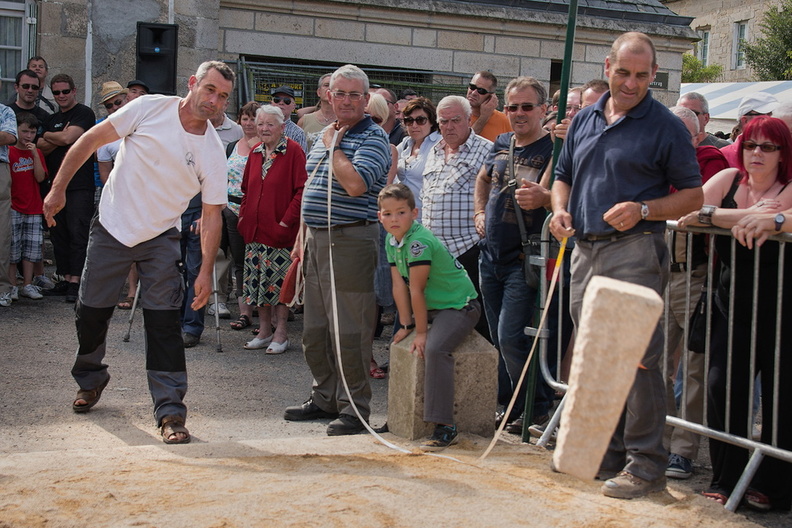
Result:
{"points": [[429, 285], [27, 235]]}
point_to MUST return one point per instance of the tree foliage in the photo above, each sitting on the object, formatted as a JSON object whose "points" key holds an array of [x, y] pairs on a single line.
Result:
{"points": [[769, 54], [694, 71]]}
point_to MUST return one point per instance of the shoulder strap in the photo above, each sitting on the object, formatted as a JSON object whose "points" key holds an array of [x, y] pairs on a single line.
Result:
{"points": [[517, 211]]}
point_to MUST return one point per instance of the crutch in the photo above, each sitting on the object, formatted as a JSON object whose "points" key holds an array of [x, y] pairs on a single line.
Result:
{"points": [[132, 313], [216, 311]]}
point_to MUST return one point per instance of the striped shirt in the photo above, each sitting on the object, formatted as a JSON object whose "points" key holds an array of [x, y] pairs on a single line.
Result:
{"points": [[296, 133], [8, 123], [447, 193], [367, 147]]}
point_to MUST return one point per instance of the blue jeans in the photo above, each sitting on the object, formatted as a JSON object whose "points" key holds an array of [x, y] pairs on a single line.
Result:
{"points": [[192, 321], [509, 306]]}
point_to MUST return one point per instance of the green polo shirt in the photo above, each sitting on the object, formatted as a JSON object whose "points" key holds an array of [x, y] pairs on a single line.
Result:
{"points": [[448, 285]]}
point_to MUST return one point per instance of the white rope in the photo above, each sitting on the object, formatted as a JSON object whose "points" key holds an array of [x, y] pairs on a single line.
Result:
{"points": [[553, 281]]}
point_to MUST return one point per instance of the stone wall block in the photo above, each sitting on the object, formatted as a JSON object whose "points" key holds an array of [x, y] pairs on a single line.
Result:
{"points": [[475, 389], [617, 321]]}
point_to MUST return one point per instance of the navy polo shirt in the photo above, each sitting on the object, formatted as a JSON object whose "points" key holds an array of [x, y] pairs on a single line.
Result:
{"points": [[635, 159]]}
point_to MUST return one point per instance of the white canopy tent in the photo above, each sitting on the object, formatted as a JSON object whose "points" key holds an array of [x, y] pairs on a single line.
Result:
{"points": [[724, 98]]}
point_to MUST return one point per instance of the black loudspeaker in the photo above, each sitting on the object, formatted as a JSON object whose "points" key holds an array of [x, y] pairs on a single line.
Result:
{"points": [[156, 56]]}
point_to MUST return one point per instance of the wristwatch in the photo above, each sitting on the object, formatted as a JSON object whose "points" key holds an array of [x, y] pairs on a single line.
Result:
{"points": [[779, 221], [705, 214], [408, 326], [644, 211]]}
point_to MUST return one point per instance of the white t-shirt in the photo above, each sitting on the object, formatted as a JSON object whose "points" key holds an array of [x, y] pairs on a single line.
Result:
{"points": [[159, 168], [108, 152]]}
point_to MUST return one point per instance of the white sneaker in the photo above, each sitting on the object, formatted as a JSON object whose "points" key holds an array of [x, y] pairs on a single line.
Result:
{"points": [[43, 282], [222, 310], [31, 292], [14, 293], [5, 299]]}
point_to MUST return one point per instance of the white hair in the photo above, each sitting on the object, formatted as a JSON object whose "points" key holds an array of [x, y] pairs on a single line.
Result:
{"points": [[272, 110], [687, 116], [350, 71], [455, 100]]}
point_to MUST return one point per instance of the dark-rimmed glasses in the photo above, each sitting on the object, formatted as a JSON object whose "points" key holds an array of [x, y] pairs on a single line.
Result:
{"points": [[525, 107], [420, 120], [765, 147], [67, 91], [482, 91], [284, 100], [28, 86]]}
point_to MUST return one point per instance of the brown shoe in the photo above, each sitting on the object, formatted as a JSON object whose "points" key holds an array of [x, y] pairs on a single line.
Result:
{"points": [[628, 486], [90, 397]]}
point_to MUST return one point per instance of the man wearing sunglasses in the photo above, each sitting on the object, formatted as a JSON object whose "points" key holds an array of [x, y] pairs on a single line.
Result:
{"points": [[760, 103], [70, 236], [485, 119], [283, 98], [519, 157], [27, 90]]}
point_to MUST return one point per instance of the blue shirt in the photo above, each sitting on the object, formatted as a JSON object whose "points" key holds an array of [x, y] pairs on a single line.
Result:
{"points": [[635, 159], [8, 123], [366, 145]]}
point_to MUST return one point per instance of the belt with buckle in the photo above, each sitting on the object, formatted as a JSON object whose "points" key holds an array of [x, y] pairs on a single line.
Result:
{"points": [[612, 236]]}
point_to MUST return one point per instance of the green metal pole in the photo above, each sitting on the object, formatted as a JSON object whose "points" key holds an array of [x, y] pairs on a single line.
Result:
{"points": [[566, 72]]}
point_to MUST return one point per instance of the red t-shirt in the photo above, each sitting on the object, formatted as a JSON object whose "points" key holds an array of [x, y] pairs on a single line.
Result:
{"points": [[25, 195]]}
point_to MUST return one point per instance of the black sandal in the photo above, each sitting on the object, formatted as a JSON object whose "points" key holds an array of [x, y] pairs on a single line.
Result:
{"points": [[241, 323]]}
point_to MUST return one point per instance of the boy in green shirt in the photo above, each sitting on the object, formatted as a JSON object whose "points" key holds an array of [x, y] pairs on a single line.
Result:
{"points": [[429, 286]]}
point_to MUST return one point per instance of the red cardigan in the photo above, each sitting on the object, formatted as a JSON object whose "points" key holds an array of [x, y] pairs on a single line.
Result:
{"points": [[277, 198]]}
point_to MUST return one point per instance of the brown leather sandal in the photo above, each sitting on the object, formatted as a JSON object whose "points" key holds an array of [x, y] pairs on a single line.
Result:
{"points": [[91, 397], [170, 427]]}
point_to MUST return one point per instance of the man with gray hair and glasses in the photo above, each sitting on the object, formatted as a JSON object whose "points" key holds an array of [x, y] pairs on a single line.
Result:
{"points": [[697, 103], [347, 167]]}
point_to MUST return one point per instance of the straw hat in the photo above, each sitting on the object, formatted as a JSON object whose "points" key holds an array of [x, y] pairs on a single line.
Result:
{"points": [[109, 90]]}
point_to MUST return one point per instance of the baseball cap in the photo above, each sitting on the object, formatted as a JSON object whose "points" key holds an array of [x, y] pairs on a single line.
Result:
{"points": [[286, 90], [759, 102]]}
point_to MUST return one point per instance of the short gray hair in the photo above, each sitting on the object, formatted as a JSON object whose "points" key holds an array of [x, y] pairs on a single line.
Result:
{"points": [[687, 116], [455, 100], [695, 96], [272, 110], [221, 67], [352, 72], [522, 83]]}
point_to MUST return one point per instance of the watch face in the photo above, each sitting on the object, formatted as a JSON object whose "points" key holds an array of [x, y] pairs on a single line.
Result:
{"points": [[779, 221]]}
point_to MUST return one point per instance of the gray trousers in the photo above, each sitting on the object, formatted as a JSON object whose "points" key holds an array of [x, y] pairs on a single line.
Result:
{"points": [[637, 443], [354, 261], [106, 267], [449, 328]]}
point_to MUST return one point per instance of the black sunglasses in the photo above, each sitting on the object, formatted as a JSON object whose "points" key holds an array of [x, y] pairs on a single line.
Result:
{"points": [[284, 100], [67, 91], [766, 147], [525, 107], [111, 104], [483, 91], [26, 86], [420, 120]]}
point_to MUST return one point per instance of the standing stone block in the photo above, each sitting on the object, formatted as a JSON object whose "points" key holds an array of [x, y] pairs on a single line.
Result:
{"points": [[616, 324], [475, 389]]}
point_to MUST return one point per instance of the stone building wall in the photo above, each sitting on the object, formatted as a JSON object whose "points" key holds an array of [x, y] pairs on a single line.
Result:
{"points": [[720, 16], [442, 36]]}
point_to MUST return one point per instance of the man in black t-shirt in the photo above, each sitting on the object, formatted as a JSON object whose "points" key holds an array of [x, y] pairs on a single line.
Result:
{"points": [[70, 235], [28, 88]]}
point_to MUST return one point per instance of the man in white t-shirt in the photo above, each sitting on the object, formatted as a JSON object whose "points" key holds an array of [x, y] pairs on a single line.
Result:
{"points": [[169, 153]]}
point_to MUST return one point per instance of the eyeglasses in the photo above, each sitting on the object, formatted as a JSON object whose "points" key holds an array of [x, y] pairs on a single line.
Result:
{"points": [[525, 107], [766, 147], [284, 100], [697, 113], [420, 120], [26, 86], [482, 91], [376, 119], [573, 108], [67, 91], [353, 96], [111, 104]]}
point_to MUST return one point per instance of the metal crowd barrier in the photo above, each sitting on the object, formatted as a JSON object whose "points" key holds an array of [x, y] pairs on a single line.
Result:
{"points": [[758, 448]]}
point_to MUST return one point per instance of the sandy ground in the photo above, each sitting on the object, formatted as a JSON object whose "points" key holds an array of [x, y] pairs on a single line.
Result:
{"points": [[247, 466]]}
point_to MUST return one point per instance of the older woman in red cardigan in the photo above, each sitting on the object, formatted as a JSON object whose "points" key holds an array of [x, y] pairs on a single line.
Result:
{"points": [[269, 219]]}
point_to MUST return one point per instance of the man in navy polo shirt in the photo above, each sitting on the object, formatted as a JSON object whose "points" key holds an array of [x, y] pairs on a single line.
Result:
{"points": [[611, 191]]}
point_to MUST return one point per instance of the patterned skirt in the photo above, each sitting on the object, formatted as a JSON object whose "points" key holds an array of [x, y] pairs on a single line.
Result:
{"points": [[265, 269]]}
